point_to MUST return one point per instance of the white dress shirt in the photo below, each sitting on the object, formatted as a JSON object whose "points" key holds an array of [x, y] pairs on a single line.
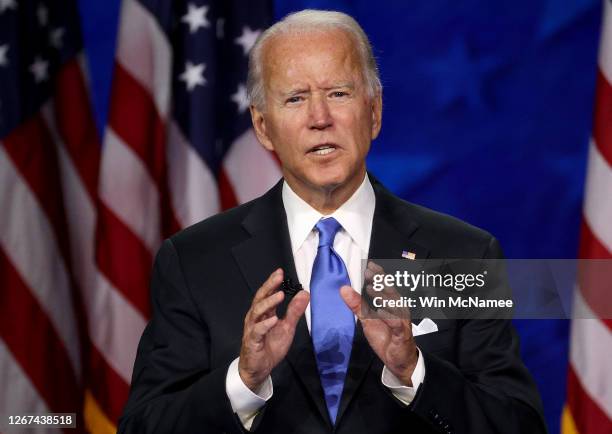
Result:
{"points": [[352, 243]]}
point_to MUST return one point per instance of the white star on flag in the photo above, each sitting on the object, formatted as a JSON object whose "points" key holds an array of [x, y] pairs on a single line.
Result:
{"points": [[40, 69], [43, 15], [3, 49], [7, 4], [55, 37], [195, 17], [247, 39], [240, 98], [193, 75]]}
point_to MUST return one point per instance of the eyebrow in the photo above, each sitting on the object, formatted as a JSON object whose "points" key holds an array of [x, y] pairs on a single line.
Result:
{"points": [[299, 91], [295, 92], [340, 86]]}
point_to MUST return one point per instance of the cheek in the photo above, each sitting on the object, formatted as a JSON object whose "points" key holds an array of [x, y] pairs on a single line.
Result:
{"points": [[287, 143], [360, 129], [287, 128]]}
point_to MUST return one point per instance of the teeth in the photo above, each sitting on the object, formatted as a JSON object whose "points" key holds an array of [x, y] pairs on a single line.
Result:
{"points": [[323, 151]]}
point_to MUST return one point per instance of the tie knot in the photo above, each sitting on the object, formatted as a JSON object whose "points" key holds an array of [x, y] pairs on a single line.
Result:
{"points": [[328, 228]]}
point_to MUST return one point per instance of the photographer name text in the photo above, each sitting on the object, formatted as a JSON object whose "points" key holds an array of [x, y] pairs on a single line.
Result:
{"points": [[438, 302]]}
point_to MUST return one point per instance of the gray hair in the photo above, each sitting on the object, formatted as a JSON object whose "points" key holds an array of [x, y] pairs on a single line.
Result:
{"points": [[310, 20]]}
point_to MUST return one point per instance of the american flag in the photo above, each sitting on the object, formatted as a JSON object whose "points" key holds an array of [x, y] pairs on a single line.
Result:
{"points": [[79, 222], [49, 154], [589, 395]]}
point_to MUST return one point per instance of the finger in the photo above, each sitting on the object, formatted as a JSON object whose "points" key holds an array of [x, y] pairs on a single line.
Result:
{"points": [[397, 325], [266, 306], [375, 268], [391, 313], [372, 270], [365, 307], [297, 307], [352, 300], [391, 303], [368, 274], [386, 295], [269, 285], [259, 330], [372, 292]]}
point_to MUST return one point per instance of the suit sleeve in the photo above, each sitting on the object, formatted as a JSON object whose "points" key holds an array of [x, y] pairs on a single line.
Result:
{"points": [[174, 389], [488, 390]]}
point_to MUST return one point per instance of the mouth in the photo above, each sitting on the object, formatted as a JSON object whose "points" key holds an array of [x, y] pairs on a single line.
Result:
{"points": [[323, 149]]}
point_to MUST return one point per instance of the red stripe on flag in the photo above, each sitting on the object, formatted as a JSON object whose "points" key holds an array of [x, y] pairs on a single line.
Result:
{"points": [[123, 259], [34, 343], [134, 118], [595, 276], [74, 120], [34, 154], [589, 418], [110, 391], [226, 191], [590, 246], [602, 123]]}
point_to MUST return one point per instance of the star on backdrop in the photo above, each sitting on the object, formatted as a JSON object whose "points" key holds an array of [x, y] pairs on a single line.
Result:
{"points": [[7, 4], [211, 46], [43, 15], [193, 75], [195, 17], [40, 69], [247, 39], [241, 99], [56, 36], [458, 76], [38, 39]]}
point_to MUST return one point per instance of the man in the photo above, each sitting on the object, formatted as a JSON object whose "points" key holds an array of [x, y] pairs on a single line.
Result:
{"points": [[227, 351]]}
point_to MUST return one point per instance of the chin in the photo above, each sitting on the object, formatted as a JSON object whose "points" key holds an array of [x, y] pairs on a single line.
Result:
{"points": [[329, 180]]}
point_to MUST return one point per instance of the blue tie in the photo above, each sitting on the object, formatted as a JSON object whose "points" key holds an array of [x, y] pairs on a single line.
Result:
{"points": [[332, 322]]}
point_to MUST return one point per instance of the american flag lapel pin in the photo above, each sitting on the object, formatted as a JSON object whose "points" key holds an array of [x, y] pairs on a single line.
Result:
{"points": [[408, 255]]}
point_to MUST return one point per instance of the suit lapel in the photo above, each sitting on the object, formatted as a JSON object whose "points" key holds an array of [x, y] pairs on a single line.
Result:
{"points": [[269, 248], [392, 229]]}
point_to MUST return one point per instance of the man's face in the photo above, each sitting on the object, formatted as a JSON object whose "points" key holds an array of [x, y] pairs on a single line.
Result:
{"points": [[318, 116]]}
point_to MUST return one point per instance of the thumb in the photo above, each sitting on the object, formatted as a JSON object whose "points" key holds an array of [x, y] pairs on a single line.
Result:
{"points": [[296, 308], [352, 299]]}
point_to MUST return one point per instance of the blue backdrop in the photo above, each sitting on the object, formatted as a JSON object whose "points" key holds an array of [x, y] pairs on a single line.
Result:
{"points": [[487, 112]]}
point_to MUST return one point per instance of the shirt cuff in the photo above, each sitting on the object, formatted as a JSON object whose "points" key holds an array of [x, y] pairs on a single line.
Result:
{"points": [[404, 393], [245, 403]]}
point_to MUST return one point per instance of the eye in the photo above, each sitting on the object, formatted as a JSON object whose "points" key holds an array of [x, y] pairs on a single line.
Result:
{"points": [[293, 99], [339, 94]]}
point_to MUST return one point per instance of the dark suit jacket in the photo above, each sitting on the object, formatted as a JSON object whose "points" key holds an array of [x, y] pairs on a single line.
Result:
{"points": [[203, 282]]}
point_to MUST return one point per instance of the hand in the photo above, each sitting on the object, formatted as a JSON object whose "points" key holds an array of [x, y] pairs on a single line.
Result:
{"points": [[389, 332], [266, 338]]}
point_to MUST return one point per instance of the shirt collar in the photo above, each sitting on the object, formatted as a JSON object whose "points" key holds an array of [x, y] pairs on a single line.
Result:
{"points": [[355, 215]]}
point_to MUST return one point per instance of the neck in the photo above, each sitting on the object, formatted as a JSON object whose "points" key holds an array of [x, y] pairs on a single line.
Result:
{"points": [[327, 199]]}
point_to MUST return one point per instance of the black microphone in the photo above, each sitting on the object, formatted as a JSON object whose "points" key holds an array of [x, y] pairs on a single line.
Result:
{"points": [[290, 288]]}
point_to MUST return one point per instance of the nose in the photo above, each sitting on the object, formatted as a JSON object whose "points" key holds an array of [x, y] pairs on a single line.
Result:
{"points": [[320, 115]]}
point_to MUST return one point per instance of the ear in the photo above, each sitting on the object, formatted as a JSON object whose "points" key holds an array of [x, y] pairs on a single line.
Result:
{"points": [[376, 114], [259, 124]]}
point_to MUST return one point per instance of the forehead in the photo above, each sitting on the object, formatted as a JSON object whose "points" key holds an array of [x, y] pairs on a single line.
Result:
{"points": [[296, 55]]}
